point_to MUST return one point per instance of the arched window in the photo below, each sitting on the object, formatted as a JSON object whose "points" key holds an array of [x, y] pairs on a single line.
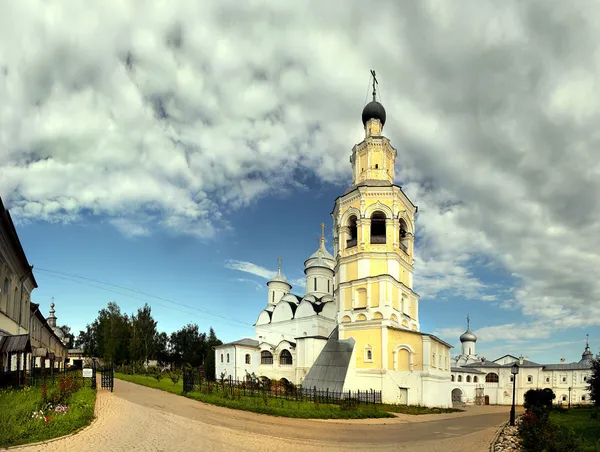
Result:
{"points": [[529, 379], [491, 378], [247, 358], [475, 379], [468, 379], [353, 232], [221, 357], [378, 227], [460, 378], [368, 358], [451, 377], [403, 236], [266, 357], [227, 357], [285, 358]]}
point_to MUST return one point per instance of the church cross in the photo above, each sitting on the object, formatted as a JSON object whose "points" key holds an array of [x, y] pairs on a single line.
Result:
{"points": [[323, 231], [375, 82], [468, 321], [279, 264], [587, 336]]}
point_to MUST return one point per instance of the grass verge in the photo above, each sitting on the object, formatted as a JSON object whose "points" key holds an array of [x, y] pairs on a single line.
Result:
{"points": [[580, 420], [18, 426], [283, 407]]}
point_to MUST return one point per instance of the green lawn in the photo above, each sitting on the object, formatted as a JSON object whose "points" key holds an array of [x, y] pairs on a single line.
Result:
{"points": [[580, 420], [18, 426], [282, 407]]}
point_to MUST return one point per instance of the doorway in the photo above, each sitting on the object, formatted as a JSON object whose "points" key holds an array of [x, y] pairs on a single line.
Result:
{"points": [[403, 397], [457, 396]]}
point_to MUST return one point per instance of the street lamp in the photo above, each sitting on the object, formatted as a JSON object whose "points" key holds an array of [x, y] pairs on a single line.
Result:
{"points": [[514, 370], [570, 396]]}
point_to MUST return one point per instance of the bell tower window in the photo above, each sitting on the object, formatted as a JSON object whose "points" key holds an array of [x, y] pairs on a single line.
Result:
{"points": [[353, 232], [378, 227], [403, 236]]}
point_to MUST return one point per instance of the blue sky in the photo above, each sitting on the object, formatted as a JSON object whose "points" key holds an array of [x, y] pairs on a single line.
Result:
{"points": [[196, 142]]}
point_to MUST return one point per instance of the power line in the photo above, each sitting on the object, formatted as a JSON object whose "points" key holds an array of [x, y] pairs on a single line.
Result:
{"points": [[69, 277], [56, 274]]}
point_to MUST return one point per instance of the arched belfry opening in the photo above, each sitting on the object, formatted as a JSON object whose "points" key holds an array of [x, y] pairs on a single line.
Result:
{"points": [[378, 227], [353, 230], [403, 235]]}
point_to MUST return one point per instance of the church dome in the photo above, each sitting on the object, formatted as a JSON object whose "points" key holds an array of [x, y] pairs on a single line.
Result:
{"points": [[320, 258], [468, 336], [587, 356], [279, 276], [373, 110]]}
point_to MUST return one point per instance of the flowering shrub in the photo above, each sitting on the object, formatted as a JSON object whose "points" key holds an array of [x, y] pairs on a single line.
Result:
{"points": [[46, 414], [537, 433]]}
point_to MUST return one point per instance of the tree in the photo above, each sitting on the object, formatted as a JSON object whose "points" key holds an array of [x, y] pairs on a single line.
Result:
{"points": [[143, 343], [188, 345], [594, 381], [161, 351], [68, 335], [209, 362]]}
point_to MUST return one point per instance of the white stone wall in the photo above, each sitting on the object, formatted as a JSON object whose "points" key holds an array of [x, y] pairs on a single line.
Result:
{"points": [[236, 367], [501, 393]]}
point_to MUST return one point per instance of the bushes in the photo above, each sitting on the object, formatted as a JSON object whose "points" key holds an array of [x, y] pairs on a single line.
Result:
{"points": [[537, 433]]}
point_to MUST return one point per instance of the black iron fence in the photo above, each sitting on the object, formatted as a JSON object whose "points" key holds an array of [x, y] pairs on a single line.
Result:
{"points": [[48, 377], [252, 387]]}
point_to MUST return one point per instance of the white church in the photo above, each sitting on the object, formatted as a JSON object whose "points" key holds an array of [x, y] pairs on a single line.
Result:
{"points": [[357, 327], [476, 380]]}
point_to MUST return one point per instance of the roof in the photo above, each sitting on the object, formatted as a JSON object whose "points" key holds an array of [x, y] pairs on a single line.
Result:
{"points": [[14, 238], [246, 342], [330, 369], [569, 366], [15, 344], [466, 370]]}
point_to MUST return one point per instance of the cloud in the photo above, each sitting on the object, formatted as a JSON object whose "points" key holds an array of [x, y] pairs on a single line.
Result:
{"points": [[261, 272], [249, 267], [172, 117]]}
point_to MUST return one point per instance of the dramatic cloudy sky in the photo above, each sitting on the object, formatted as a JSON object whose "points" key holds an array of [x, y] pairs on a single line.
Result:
{"points": [[179, 148]]}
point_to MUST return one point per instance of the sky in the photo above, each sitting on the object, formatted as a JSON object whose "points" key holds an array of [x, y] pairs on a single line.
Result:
{"points": [[169, 152]]}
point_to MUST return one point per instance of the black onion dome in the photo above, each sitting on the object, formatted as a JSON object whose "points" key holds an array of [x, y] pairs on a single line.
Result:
{"points": [[373, 110]]}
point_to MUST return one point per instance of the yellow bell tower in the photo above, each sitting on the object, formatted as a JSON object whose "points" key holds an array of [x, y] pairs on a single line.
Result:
{"points": [[373, 228]]}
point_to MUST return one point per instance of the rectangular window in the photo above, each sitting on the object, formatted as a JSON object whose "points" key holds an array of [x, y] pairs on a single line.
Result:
{"points": [[315, 283], [221, 357], [328, 284]]}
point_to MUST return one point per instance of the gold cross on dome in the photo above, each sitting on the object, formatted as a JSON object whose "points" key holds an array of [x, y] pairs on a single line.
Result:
{"points": [[278, 263], [322, 230]]}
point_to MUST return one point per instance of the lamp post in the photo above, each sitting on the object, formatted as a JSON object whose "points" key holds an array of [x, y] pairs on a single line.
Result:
{"points": [[570, 396], [514, 370]]}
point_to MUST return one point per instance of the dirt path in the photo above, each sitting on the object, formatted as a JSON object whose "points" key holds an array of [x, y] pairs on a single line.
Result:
{"points": [[136, 418]]}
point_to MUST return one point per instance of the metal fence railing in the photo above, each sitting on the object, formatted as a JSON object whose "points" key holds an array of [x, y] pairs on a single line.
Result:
{"points": [[276, 389]]}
